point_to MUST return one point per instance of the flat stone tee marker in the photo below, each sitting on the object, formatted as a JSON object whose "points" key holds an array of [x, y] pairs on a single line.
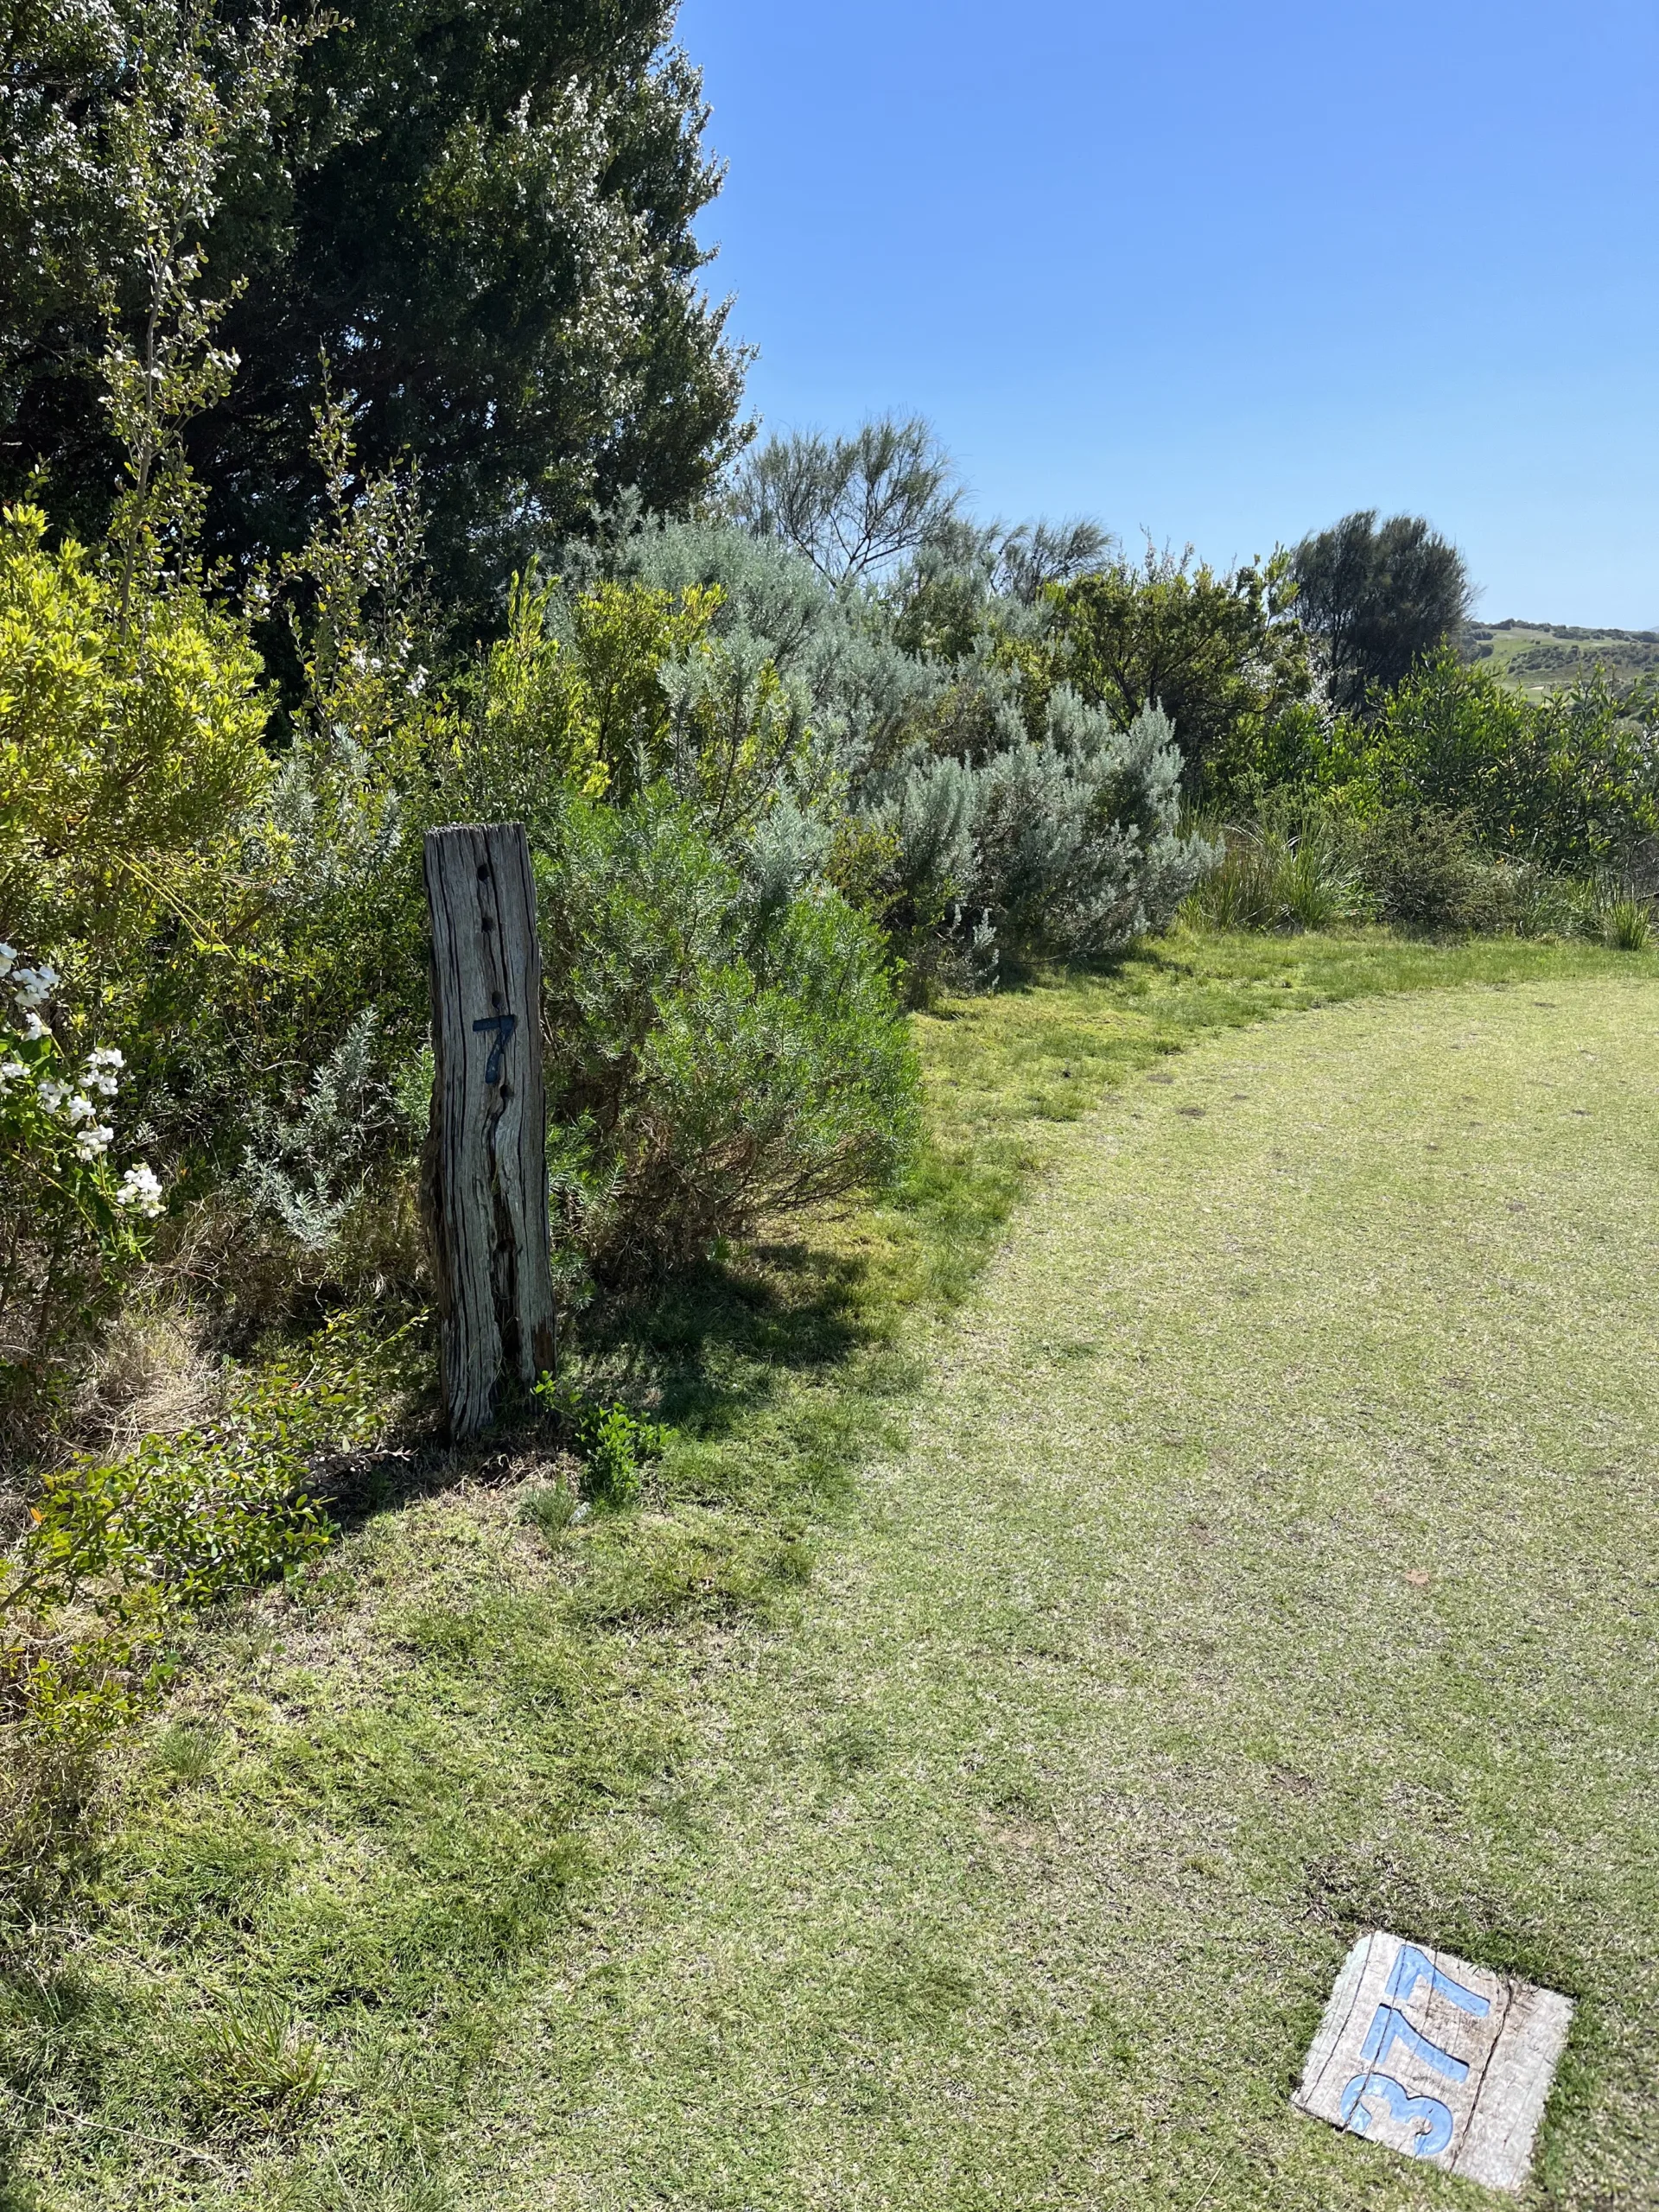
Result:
{"points": [[1437, 2059]]}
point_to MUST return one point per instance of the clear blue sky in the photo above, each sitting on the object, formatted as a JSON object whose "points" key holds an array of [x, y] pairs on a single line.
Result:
{"points": [[1221, 272]]}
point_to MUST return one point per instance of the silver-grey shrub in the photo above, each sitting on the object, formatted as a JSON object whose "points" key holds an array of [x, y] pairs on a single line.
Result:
{"points": [[1078, 848], [1062, 839]]}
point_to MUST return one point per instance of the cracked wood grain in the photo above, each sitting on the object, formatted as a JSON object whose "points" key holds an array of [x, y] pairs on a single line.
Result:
{"points": [[485, 1169]]}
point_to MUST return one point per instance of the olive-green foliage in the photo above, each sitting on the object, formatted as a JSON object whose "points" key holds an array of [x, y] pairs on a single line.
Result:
{"points": [[1569, 780], [710, 1063], [1422, 871], [1219, 654], [1458, 805]]}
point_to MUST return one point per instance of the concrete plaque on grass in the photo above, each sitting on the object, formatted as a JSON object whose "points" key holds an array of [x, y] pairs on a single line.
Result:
{"points": [[1436, 2058]]}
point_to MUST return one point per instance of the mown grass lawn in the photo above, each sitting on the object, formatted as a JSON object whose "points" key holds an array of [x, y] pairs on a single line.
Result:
{"points": [[956, 1787]]}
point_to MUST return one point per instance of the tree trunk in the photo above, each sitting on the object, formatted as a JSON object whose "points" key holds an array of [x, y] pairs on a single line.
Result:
{"points": [[485, 1167]]}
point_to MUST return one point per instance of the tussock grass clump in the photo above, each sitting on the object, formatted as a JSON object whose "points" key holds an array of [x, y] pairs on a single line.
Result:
{"points": [[1627, 923]]}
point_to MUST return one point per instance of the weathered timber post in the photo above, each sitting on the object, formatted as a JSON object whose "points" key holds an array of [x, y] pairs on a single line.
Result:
{"points": [[485, 1167]]}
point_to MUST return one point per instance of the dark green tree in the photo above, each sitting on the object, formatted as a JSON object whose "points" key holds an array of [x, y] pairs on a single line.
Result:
{"points": [[1378, 599], [480, 211]]}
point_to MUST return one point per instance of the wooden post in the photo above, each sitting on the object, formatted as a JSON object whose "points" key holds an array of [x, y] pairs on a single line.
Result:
{"points": [[485, 1165]]}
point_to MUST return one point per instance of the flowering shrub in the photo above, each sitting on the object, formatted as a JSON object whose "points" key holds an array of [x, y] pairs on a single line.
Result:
{"points": [[131, 754], [69, 1225]]}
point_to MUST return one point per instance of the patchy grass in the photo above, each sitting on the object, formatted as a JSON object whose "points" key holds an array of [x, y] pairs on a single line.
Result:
{"points": [[520, 1861]]}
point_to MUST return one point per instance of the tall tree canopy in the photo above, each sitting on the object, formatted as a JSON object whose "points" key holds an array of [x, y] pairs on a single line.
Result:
{"points": [[480, 211], [1379, 598]]}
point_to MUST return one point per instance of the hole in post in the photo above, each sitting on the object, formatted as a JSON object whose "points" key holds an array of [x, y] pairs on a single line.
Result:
{"points": [[483, 875]]}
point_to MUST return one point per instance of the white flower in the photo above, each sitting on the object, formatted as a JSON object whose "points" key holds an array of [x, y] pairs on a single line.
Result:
{"points": [[81, 1108], [51, 1095], [92, 1143], [11, 1071], [34, 1028], [8, 959], [106, 1056], [32, 987], [140, 1188]]}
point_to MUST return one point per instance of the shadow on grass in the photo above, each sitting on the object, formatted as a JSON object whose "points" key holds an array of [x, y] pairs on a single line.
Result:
{"points": [[701, 1348], [704, 1353]]}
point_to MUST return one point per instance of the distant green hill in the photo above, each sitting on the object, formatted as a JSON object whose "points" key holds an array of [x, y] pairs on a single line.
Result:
{"points": [[1541, 657]]}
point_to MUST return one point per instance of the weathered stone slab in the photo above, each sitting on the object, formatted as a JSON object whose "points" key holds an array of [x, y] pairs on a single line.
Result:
{"points": [[1436, 2058]]}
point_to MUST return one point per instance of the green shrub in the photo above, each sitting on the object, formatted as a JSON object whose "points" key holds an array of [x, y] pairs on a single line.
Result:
{"points": [[710, 1063], [1420, 871], [1216, 654], [1569, 782], [612, 1441], [128, 746], [130, 754]]}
